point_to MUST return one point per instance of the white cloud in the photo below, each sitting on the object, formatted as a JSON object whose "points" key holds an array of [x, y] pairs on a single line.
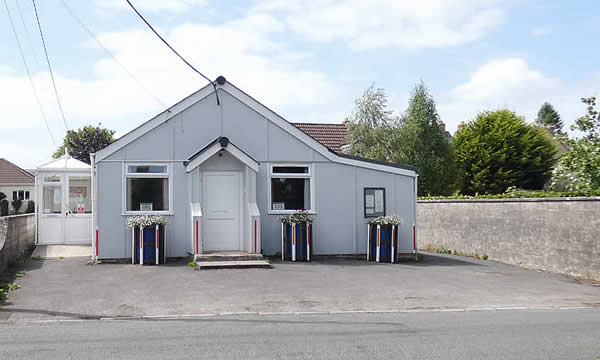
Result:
{"points": [[511, 83], [540, 31], [153, 5], [382, 23], [242, 50]]}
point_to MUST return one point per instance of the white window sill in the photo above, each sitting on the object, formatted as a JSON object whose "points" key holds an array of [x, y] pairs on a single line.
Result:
{"points": [[288, 212], [136, 213]]}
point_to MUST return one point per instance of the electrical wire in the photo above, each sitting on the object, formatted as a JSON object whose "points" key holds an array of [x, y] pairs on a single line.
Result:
{"points": [[62, 113], [35, 93], [93, 36], [172, 49]]}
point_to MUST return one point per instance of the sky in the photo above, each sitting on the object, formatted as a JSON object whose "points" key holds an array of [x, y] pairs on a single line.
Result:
{"points": [[308, 61]]}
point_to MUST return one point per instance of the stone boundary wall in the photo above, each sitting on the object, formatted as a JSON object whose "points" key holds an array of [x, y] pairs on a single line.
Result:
{"points": [[17, 234], [560, 235]]}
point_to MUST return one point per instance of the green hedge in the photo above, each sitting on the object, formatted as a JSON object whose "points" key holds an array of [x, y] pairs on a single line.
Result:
{"points": [[518, 194]]}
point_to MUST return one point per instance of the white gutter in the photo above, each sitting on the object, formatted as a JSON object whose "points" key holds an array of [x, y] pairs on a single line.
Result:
{"points": [[93, 230]]}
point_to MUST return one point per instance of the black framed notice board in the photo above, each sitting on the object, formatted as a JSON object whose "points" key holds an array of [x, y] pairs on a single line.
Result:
{"points": [[374, 201]]}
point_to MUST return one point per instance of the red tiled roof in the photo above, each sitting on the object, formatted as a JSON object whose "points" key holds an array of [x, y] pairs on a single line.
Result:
{"points": [[12, 174], [331, 135]]}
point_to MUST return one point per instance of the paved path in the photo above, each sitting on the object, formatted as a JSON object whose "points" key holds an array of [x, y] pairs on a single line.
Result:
{"points": [[510, 334], [70, 288]]}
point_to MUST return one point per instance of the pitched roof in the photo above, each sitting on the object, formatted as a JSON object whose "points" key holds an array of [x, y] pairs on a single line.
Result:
{"points": [[333, 136], [12, 174], [227, 87]]}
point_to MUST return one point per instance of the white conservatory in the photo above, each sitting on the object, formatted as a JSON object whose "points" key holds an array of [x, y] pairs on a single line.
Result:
{"points": [[63, 202]]}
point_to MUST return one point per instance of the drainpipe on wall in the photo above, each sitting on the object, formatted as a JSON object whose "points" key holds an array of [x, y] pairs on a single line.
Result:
{"points": [[415, 216]]}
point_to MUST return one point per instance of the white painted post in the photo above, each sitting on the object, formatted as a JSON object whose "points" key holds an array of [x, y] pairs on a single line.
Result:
{"points": [[368, 243], [307, 241], [165, 244], [392, 248], [141, 245], [282, 244], [132, 245], [156, 244], [293, 242], [378, 242]]}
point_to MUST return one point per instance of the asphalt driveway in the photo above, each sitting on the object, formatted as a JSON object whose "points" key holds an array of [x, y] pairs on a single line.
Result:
{"points": [[70, 288]]}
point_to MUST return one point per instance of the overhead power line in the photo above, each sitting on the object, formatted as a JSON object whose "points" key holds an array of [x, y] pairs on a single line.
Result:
{"points": [[93, 36], [175, 51], [62, 113], [35, 93]]}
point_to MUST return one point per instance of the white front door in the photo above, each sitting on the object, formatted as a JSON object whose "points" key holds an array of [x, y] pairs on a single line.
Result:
{"points": [[221, 215]]}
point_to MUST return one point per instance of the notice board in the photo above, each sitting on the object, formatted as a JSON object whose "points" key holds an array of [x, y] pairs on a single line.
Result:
{"points": [[374, 201]]}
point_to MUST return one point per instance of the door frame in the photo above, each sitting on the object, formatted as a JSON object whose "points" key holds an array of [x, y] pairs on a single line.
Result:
{"points": [[241, 181]]}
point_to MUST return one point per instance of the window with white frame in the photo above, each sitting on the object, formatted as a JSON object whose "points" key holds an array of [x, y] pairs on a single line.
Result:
{"points": [[291, 187], [147, 187], [20, 195]]}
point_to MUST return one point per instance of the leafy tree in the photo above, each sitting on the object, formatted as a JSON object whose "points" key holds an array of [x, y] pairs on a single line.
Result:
{"points": [[497, 150], [16, 204], [86, 140], [422, 141], [30, 207], [580, 167], [370, 126], [548, 117]]}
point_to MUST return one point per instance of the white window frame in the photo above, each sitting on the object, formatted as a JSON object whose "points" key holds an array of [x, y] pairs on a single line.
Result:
{"points": [[126, 175], [310, 175]]}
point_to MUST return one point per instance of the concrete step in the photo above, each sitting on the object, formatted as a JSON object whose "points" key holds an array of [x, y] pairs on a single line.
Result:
{"points": [[233, 264], [227, 256]]}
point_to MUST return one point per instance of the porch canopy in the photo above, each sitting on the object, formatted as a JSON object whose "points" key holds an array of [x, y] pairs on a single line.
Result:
{"points": [[222, 192]]}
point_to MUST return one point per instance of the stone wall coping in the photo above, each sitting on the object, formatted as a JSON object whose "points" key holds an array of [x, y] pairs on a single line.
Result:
{"points": [[540, 199], [8, 217]]}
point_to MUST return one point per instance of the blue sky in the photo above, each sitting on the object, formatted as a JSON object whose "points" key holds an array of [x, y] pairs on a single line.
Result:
{"points": [[306, 62]]}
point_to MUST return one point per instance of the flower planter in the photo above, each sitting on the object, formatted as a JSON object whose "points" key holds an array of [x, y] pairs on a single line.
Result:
{"points": [[152, 252], [296, 241], [382, 243]]}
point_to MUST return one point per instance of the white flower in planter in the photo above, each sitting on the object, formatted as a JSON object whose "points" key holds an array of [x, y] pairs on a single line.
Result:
{"points": [[298, 217], [386, 220], [146, 221]]}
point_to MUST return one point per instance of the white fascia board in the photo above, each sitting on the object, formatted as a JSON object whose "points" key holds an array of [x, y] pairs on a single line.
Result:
{"points": [[201, 158], [215, 148], [154, 122], [303, 137]]}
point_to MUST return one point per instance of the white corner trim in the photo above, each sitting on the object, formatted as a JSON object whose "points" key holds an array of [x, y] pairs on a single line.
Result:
{"points": [[154, 122], [215, 148]]}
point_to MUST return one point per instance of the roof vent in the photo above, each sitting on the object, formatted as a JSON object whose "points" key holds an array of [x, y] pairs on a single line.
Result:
{"points": [[224, 142], [221, 80]]}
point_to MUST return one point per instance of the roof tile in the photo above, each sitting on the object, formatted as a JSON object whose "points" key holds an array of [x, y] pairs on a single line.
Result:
{"points": [[12, 174]]}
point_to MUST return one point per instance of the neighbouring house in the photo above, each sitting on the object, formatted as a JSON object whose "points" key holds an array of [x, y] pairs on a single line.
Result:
{"points": [[333, 136], [16, 184], [221, 159]]}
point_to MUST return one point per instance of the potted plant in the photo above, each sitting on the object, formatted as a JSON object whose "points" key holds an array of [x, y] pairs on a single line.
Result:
{"points": [[382, 243], [151, 230], [296, 236]]}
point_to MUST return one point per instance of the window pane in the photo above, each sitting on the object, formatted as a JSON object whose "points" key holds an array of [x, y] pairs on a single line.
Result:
{"points": [[290, 194], [14, 195], [21, 194], [290, 169], [52, 199], [53, 178], [80, 197], [26, 195], [147, 169], [147, 194]]}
